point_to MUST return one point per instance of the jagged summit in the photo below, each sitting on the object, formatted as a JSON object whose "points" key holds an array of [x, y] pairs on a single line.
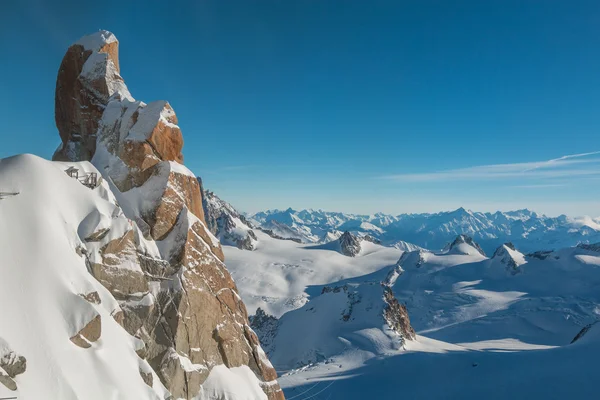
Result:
{"points": [[226, 223], [349, 244], [89, 75], [464, 244], [508, 255]]}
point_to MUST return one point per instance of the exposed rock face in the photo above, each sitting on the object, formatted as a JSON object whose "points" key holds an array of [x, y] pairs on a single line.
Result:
{"points": [[590, 247], [583, 332], [226, 223], [265, 326], [540, 255], [89, 333], [371, 239], [165, 267], [11, 365], [349, 244], [396, 315], [87, 78], [276, 236]]}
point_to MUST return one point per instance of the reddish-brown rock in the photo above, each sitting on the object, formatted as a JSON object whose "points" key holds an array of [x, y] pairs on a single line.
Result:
{"points": [[83, 88]]}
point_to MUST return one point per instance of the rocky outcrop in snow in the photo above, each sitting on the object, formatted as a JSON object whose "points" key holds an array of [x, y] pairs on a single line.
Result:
{"points": [[166, 268], [595, 247], [396, 315], [583, 332], [349, 244], [11, 365], [348, 316], [226, 223]]}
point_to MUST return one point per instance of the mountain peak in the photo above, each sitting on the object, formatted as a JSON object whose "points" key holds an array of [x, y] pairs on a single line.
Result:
{"points": [[349, 244], [463, 244], [97, 40], [508, 255], [89, 75], [461, 210]]}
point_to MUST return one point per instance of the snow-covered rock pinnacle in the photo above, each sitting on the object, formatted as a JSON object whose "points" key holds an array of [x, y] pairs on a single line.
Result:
{"points": [[87, 78], [349, 244], [508, 255], [167, 270], [464, 244]]}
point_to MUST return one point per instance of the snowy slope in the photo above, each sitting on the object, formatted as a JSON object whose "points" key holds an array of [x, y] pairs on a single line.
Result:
{"points": [[477, 321], [276, 274], [43, 283], [545, 302], [55, 315], [436, 370]]}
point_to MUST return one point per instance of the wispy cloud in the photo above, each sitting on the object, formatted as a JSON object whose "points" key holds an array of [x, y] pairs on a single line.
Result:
{"points": [[541, 185], [566, 166]]}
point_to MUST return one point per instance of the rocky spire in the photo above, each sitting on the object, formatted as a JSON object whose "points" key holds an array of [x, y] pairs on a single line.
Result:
{"points": [[87, 78], [183, 305], [349, 244]]}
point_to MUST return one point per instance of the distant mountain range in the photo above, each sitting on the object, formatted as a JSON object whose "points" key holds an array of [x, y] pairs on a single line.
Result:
{"points": [[528, 230]]}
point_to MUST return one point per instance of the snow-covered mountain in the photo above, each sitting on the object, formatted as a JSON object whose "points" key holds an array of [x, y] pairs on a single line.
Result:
{"points": [[324, 321], [526, 229]]}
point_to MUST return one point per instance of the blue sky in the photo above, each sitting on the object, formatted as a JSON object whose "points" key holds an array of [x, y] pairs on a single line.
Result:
{"points": [[393, 106]]}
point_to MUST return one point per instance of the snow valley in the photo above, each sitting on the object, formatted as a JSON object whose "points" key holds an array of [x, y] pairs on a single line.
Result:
{"points": [[343, 316]]}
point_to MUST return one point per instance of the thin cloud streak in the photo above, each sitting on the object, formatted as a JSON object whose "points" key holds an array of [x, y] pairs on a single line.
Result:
{"points": [[541, 185], [554, 168]]}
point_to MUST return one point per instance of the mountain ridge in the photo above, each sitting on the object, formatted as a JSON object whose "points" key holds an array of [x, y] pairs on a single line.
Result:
{"points": [[529, 230]]}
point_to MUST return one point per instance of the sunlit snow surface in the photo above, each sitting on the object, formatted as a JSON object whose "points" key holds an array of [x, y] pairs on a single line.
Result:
{"points": [[45, 217], [485, 329]]}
